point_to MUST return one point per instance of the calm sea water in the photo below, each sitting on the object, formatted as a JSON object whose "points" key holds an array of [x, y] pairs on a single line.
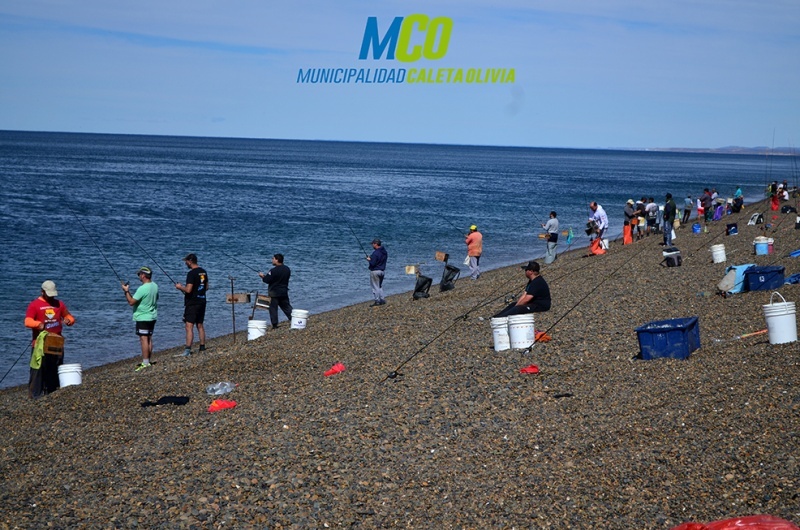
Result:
{"points": [[234, 201]]}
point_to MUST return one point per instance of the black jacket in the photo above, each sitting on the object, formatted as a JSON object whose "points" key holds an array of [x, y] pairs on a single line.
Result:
{"points": [[278, 280]]}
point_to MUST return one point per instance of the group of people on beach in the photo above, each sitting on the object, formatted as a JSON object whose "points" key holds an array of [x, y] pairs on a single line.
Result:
{"points": [[47, 315]]}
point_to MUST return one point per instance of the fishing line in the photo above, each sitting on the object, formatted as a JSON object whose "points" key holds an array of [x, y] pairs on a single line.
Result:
{"points": [[625, 263], [238, 261], [27, 346], [95, 243], [151, 258], [460, 233], [394, 373]]}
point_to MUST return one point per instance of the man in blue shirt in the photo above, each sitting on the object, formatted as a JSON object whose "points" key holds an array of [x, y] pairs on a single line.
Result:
{"points": [[377, 268]]}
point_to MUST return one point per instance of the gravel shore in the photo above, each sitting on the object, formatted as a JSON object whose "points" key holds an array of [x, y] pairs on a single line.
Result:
{"points": [[460, 439]]}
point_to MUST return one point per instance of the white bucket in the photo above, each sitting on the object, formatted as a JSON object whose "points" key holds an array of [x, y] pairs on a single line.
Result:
{"points": [[520, 330], [256, 329], [500, 334], [781, 321], [718, 253], [299, 317], [69, 374], [604, 243]]}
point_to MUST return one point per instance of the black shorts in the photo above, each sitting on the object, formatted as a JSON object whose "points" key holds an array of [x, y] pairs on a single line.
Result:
{"points": [[145, 327], [195, 313]]}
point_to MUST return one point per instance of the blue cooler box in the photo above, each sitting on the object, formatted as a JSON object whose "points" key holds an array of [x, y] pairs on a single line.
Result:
{"points": [[675, 338], [764, 278]]}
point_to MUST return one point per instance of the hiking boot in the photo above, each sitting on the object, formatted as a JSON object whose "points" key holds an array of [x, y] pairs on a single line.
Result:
{"points": [[142, 366]]}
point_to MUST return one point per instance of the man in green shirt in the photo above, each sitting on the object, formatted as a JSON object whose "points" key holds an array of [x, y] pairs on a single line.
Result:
{"points": [[145, 312]]}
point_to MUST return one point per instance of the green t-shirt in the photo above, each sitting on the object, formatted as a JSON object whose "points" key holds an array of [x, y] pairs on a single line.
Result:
{"points": [[146, 308]]}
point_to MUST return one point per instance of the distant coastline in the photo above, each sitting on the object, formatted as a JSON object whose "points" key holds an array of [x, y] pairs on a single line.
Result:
{"points": [[731, 150], [728, 150]]}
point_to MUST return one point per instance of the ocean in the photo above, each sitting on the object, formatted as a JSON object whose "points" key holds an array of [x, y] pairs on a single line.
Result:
{"points": [[82, 209]]}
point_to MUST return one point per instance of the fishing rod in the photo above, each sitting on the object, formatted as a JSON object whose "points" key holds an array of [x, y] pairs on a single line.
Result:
{"points": [[356, 237], [95, 244], [27, 346], [454, 226], [237, 260], [151, 258]]}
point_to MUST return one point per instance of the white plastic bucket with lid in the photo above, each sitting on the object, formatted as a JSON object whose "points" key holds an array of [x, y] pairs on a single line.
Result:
{"points": [[520, 330], [69, 374], [781, 320], [500, 333], [256, 329], [718, 253], [299, 317]]}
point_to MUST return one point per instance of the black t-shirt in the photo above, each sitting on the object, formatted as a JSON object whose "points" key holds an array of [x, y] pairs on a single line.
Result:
{"points": [[199, 280], [540, 291]]}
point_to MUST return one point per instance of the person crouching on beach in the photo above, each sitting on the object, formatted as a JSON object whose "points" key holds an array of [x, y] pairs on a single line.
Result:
{"points": [[145, 312], [46, 314], [536, 297]]}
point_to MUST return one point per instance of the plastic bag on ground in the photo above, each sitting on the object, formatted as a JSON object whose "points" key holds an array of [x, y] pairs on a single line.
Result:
{"points": [[218, 389], [749, 522]]}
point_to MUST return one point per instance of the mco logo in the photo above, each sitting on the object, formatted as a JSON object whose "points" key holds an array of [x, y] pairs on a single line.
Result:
{"points": [[407, 39]]}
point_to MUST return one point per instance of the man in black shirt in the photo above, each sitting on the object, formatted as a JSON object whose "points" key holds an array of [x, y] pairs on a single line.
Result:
{"points": [[194, 301], [278, 280], [536, 297]]}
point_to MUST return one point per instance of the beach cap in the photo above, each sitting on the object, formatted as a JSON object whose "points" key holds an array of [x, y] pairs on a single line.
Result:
{"points": [[531, 266], [145, 270], [49, 288], [376, 241], [473, 227], [191, 257], [630, 201]]}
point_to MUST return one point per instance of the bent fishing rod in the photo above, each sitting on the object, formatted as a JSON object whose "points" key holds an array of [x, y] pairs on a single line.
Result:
{"points": [[96, 245]]}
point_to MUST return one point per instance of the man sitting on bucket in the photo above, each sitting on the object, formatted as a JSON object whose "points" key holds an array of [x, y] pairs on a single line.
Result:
{"points": [[536, 297]]}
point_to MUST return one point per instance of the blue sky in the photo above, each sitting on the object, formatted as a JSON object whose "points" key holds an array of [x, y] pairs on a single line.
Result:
{"points": [[617, 73]]}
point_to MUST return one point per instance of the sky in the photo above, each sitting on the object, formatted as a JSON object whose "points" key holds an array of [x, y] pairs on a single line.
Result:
{"points": [[586, 74]]}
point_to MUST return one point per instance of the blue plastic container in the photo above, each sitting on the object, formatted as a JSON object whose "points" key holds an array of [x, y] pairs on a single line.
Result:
{"points": [[764, 278], [675, 338], [762, 249], [696, 228]]}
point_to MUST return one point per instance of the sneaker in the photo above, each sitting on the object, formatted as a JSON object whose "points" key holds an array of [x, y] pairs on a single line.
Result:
{"points": [[186, 353], [142, 366], [202, 348]]}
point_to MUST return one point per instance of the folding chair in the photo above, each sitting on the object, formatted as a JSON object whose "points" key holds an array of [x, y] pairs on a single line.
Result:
{"points": [[262, 302]]}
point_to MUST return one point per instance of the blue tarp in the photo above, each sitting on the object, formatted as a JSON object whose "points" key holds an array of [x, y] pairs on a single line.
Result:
{"points": [[738, 285]]}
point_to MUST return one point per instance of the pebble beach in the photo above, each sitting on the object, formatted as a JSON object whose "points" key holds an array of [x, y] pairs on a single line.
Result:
{"points": [[428, 426]]}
